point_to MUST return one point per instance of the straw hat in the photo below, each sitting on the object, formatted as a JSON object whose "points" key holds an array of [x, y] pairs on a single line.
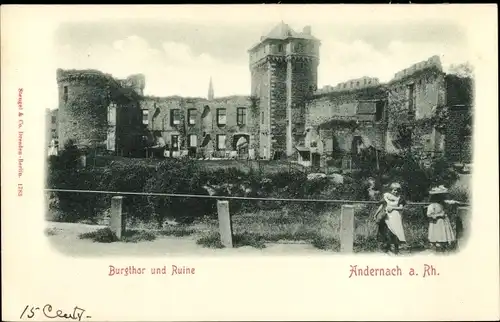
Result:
{"points": [[395, 185], [438, 190]]}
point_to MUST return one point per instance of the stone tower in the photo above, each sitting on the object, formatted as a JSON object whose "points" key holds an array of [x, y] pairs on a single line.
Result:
{"points": [[284, 74]]}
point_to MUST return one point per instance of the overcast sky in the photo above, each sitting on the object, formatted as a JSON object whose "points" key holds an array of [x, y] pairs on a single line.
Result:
{"points": [[179, 58]]}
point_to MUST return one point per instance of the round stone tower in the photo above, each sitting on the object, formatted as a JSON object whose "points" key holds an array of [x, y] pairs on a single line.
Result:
{"points": [[84, 98]]}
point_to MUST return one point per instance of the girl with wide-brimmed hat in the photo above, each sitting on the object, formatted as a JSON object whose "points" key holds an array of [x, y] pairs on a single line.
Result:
{"points": [[388, 217], [441, 232]]}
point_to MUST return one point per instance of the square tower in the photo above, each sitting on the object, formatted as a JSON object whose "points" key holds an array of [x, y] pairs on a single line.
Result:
{"points": [[284, 71]]}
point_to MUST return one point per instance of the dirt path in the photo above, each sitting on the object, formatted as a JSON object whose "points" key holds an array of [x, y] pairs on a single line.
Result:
{"points": [[64, 238]]}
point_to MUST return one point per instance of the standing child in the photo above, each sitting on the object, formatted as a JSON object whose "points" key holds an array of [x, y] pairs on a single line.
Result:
{"points": [[388, 217], [441, 234]]}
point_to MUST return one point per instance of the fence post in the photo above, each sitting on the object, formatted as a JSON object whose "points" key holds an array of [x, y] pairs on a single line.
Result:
{"points": [[462, 223], [225, 228], [347, 229], [117, 224]]}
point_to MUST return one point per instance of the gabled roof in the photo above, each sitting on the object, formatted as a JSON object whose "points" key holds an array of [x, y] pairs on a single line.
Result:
{"points": [[283, 31], [280, 31]]}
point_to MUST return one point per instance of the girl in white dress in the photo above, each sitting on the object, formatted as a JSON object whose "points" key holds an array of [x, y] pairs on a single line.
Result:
{"points": [[441, 234], [388, 216]]}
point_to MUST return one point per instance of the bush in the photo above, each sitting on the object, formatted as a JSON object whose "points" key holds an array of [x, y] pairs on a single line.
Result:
{"points": [[326, 243], [129, 178], [75, 207], [366, 244], [105, 235], [416, 179], [177, 231], [185, 176], [134, 236], [441, 173], [180, 177], [211, 240], [460, 194]]}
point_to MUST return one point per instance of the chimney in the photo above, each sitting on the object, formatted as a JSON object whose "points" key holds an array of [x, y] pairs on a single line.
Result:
{"points": [[307, 30]]}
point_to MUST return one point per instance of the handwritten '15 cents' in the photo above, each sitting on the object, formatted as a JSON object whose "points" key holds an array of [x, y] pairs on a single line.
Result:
{"points": [[47, 310]]}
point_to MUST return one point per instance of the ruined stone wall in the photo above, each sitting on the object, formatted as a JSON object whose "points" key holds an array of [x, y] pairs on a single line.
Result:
{"points": [[261, 91], [135, 82], [336, 115], [338, 139], [51, 122], [324, 108], [278, 111], [160, 119], [83, 101], [50, 127], [84, 98], [459, 132], [129, 129], [429, 94], [303, 84], [458, 141]]}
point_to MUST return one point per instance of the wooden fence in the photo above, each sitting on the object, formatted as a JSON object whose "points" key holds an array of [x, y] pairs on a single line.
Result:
{"points": [[347, 235]]}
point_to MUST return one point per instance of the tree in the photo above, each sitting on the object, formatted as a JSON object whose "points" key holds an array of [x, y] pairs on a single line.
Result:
{"points": [[462, 70]]}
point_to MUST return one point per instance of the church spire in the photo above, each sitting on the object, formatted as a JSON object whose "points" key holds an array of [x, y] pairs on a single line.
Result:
{"points": [[210, 90]]}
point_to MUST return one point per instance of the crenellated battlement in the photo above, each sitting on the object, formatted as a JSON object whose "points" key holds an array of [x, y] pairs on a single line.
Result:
{"points": [[135, 82], [432, 63]]}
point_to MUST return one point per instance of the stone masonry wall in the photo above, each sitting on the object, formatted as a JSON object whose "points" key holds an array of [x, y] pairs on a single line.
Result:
{"points": [[129, 129], [458, 145], [261, 90], [324, 108], [84, 98], [159, 122], [83, 110], [303, 82], [337, 111], [338, 139], [278, 111], [458, 137], [429, 93]]}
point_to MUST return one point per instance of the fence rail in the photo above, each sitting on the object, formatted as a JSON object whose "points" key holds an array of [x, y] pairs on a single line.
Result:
{"points": [[157, 194], [347, 227]]}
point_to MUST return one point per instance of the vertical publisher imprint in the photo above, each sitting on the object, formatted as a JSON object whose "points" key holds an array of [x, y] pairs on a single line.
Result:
{"points": [[20, 134]]}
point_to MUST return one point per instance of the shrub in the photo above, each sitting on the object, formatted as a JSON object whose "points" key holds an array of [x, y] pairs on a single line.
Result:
{"points": [[129, 178], [440, 172], [105, 235], [211, 240], [181, 177], [177, 231], [134, 236], [75, 207], [51, 231], [326, 243], [241, 240], [460, 194], [364, 244]]}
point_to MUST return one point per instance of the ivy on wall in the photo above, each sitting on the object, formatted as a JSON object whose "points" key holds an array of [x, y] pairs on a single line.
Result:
{"points": [[89, 95], [254, 104]]}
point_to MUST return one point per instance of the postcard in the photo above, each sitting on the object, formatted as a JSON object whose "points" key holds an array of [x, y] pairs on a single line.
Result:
{"points": [[250, 162]]}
